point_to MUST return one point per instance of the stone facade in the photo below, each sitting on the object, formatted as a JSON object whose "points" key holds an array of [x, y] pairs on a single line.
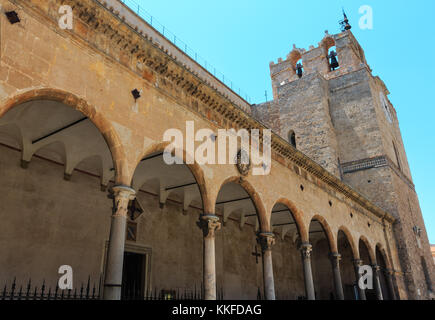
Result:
{"points": [[55, 207]]}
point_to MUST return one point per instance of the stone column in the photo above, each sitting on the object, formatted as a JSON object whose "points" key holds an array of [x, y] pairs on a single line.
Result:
{"points": [[306, 249], [209, 223], [335, 260], [389, 275], [377, 282], [266, 241], [115, 252], [362, 293]]}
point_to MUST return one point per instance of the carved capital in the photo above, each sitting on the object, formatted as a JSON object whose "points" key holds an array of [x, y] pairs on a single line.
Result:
{"points": [[306, 249], [209, 224], [121, 198], [335, 258], [266, 240]]}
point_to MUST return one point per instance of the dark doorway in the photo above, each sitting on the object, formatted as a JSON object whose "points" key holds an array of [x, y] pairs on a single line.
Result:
{"points": [[133, 276]]}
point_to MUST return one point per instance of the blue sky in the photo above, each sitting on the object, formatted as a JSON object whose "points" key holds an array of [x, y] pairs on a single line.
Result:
{"points": [[241, 37]]}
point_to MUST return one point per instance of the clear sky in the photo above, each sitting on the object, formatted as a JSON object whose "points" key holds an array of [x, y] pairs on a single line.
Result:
{"points": [[241, 37]]}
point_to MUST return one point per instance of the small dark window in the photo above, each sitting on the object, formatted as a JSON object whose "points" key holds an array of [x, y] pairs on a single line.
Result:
{"points": [[330, 203], [292, 138], [302, 187]]}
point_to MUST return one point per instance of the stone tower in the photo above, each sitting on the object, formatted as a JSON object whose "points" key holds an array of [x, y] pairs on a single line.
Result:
{"points": [[342, 118]]}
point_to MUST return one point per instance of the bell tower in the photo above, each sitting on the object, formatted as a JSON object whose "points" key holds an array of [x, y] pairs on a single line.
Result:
{"points": [[328, 105]]}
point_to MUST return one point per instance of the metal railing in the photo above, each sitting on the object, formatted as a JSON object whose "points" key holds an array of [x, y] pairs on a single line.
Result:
{"points": [[35, 292], [92, 291], [181, 45]]}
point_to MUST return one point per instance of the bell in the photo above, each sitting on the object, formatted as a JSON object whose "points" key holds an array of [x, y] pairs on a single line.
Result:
{"points": [[299, 71], [334, 62]]}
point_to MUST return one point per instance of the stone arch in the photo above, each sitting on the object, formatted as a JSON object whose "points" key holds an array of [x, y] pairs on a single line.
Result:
{"points": [[297, 216], [384, 255], [255, 197], [327, 42], [351, 241], [101, 123], [372, 255], [294, 56], [327, 229], [194, 168]]}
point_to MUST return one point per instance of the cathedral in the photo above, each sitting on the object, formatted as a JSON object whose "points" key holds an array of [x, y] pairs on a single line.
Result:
{"points": [[89, 201]]}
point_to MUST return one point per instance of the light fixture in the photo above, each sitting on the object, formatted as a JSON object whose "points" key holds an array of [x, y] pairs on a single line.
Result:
{"points": [[136, 94], [12, 17]]}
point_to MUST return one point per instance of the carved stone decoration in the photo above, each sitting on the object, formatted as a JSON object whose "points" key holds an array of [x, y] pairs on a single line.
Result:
{"points": [[306, 249], [209, 224], [122, 196], [243, 162], [266, 240]]}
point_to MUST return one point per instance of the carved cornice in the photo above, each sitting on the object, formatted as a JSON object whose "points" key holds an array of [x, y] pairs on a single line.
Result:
{"points": [[145, 55]]}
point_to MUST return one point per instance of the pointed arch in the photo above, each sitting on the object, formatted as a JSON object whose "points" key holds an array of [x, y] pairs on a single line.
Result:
{"points": [[350, 239], [194, 168], [382, 252], [363, 240], [327, 229], [255, 197], [297, 216], [98, 119]]}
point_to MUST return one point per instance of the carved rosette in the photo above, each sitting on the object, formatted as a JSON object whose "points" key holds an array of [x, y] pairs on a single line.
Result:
{"points": [[209, 224], [122, 196], [266, 240], [306, 249]]}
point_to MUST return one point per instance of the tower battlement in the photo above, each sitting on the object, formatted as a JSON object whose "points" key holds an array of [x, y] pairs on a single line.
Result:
{"points": [[349, 54]]}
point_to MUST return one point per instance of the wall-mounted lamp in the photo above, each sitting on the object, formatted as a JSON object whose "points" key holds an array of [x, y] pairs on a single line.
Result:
{"points": [[136, 94], [12, 17]]}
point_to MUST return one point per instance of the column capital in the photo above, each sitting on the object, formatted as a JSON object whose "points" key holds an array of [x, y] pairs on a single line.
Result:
{"points": [[335, 258], [266, 240], [209, 224], [306, 249], [357, 262], [121, 197]]}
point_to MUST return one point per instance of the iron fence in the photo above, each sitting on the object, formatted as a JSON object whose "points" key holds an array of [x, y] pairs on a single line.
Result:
{"points": [[35, 292], [92, 291]]}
